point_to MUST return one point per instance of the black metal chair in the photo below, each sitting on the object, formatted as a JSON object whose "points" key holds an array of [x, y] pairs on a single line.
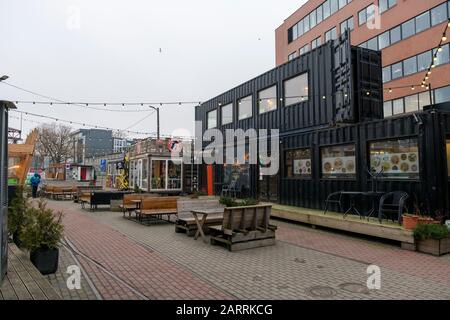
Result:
{"points": [[229, 189], [392, 204], [336, 198]]}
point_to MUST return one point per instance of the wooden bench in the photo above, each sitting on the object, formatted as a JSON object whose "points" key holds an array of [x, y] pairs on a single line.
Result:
{"points": [[131, 202], [157, 207], [245, 228], [84, 189], [185, 222], [97, 198]]}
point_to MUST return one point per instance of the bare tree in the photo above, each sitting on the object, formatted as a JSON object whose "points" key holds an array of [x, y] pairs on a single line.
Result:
{"points": [[54, 141]]}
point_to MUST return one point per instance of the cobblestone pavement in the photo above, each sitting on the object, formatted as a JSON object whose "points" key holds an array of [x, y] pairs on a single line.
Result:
{"points": [[305, 264], [59, 280]]}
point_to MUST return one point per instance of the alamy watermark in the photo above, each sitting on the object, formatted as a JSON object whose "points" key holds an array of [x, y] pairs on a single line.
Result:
{"points": [[74, 280]]}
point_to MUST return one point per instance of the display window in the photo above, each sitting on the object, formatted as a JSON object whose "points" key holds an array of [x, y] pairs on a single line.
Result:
{"points": [[166, 174], [339, 161], [298, 163]]}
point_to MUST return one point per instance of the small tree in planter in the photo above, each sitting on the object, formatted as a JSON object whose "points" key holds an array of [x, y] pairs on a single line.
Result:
{"points": [[16, 215], [41, 236]]}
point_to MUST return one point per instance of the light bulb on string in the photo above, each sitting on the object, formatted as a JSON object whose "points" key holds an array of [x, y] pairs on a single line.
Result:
{"points": [[444, 37]]}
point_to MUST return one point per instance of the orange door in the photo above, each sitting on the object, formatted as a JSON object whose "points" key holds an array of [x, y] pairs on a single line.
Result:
{"points": [[209, 175]]}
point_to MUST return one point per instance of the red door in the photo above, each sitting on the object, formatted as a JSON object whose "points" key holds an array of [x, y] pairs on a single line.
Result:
{"points": [[83, 174], [209, 175]]}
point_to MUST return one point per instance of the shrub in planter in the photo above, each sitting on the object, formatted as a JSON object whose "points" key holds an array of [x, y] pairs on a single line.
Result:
{"points": [[41, 235], [432, 238], [230, 202], [16, 215]]}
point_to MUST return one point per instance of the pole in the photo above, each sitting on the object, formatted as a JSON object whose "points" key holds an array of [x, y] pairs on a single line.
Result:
{"points": [[431, 94], [157, 125]]}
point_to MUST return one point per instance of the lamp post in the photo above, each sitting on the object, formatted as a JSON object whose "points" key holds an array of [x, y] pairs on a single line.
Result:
{"points": [[157, 120]]}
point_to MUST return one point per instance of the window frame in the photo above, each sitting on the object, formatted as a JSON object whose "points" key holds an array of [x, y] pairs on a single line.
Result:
{"points": [[207, 119], [298, 176], [239, 107], [284, 90], [356, 162], [221, 114], [276, 99]]}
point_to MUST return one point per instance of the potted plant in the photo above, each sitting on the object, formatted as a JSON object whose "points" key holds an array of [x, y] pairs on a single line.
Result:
{"points": [[432, 238], [410, 221], [16, 215], [41, 235]]}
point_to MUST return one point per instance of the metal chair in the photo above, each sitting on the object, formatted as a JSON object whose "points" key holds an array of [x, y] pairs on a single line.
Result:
{"points": [[332, 199], [228, 189], [392, 203]]}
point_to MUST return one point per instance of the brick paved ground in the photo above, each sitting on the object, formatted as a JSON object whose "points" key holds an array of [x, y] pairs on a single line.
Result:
{"points": [[59, 280], [305, 264]]}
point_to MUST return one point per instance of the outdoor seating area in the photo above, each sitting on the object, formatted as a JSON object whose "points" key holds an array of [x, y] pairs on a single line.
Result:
{"points": [[100, 198], [188, 211], [84, 189], [132, 202], [155, 208], [59, 192]]}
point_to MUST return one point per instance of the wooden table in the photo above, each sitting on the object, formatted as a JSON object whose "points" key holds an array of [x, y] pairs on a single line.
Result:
{"points": [[201, 222], [137, 203]]}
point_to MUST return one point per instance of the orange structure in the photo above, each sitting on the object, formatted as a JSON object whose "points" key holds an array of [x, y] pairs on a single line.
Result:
{"points": [[20, 157]]}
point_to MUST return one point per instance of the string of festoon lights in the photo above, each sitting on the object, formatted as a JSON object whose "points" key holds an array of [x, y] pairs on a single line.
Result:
{"points": [[426, 79]]}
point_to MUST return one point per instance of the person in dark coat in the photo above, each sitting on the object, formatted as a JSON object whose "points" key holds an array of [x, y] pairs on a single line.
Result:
{"points": [[35, 181]]}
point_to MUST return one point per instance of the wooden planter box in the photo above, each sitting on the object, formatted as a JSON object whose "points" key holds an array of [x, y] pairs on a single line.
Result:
{"points": [[434, 247]]}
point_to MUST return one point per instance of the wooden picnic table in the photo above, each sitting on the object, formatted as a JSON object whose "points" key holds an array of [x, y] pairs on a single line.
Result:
{"points": [[200, 223]]}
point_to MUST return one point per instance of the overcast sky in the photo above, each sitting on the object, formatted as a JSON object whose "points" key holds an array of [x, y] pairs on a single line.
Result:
{"points": [[134, 51]]}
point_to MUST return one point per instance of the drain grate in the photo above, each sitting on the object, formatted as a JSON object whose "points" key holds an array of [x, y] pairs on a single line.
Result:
{"points": [[354, 288], [321, 292]]}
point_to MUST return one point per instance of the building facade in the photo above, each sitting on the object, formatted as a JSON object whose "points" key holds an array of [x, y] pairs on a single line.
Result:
{"points": [[332, 135], [407, 32], [91, 143]]}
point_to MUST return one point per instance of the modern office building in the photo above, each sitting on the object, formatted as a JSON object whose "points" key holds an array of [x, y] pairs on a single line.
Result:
{"points": [[407, 32]]}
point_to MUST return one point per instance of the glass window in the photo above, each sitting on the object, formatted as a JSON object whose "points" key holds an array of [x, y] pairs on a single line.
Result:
{"points": [[370, 12], [300, 28], [424, 61], [410, 66], [423, 22], [350, 23], [212, 119], [372, 44], [439, 14], [383, 5], [306, 24], [326, 9], [319, 14], [316, 43], [304, 49], [392, 3], [298, 163], [245, 108], [387, 109], [396, 35], [362, 16], [408, 29], [383, 40], [292, 56], [397, 70], [412, 103], [363, 45], [387, 74], [331, 34], [396, 158], [174, 174], [227, 114], [334, 6], [342, 3], [443, 56], [296, 90], [442, 94], [144, 176], [312, 19], [424, 99], [397, 106], [294, 32], [268, 99], [159, 174], [338, 161]]}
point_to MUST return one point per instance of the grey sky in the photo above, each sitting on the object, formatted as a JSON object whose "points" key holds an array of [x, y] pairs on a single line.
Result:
{"points": [[207, 47]]}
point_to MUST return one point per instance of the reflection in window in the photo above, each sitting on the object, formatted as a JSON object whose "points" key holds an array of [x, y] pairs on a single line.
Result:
{"points": [[387, 74], [338, 161], [410, 66], [296, 90], [408, 29], [267, 100], [397, 70], [423, 61], [424, 100], [298, 163], [212, 119], [174, 175], [443, 56], [227, 114], [442, 94], [412, 103], [159, 174], [396, 158], [387, 108], [439, 14], [245, 108], [397, 106], [396, 35], [331, 34], [383, 40], [423, 22], [144, 175]]}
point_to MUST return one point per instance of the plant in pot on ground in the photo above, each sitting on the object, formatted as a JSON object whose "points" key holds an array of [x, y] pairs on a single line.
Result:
{"points": [[230, 202], [41, 235], [432, 238], [16, 215]]}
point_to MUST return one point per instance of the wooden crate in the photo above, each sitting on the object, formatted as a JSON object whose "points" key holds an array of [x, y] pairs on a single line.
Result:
{"points": [[434, 247]]}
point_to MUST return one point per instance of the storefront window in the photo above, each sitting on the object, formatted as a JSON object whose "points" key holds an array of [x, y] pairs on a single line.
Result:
{"points": [[268, 99], [174, 175], [339, 161], [159, 174], [396, 158], [298, 163], [296, 89]]}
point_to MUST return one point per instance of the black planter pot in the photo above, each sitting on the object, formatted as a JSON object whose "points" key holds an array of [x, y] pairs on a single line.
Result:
{"points": [[16, 239], [46, 261]]}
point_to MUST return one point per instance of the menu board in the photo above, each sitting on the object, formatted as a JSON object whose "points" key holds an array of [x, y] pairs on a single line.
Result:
{"points": [[339, 166], [302, 167], [406, 163]]}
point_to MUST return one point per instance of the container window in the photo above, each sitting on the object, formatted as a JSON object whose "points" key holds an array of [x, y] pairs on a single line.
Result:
{"points": [[212, 119], [298, 163], [296, 89], [245, 108], [306, 24], [227, 114], [396, 158], [338, 161], [342, 3], [267, 99]]}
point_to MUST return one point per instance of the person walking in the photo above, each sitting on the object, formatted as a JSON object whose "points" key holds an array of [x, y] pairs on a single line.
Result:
{"points": [[35, 181]]}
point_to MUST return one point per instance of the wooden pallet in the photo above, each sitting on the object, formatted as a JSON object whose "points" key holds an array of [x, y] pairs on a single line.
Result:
{"points": [[188, 225], [240, 240]]}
